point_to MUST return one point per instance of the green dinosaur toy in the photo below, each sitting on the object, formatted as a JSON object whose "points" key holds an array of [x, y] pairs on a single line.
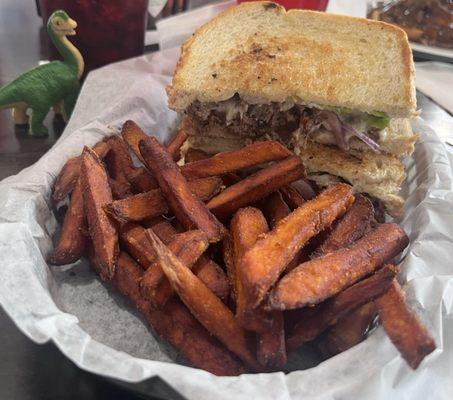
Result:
{"points": [[55, 84]]}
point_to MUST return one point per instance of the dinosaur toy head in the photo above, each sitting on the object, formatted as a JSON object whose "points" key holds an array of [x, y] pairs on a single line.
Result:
{"points": [[61, 25]]}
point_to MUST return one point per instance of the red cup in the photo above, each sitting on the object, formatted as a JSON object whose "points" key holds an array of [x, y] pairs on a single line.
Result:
{"points": [[107, 30], [318, 5]]}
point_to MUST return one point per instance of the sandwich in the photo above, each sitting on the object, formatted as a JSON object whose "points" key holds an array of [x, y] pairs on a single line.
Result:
{"points": [[337, 90]]}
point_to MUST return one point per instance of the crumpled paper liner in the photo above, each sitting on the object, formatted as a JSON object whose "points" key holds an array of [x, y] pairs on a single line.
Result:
{"points": [[98, 330]]}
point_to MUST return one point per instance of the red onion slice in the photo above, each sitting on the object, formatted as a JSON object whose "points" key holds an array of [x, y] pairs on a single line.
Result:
{"points": [[363, 137]]}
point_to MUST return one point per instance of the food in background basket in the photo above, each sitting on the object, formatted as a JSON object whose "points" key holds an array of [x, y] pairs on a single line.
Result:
{"points": [[429, 22]]}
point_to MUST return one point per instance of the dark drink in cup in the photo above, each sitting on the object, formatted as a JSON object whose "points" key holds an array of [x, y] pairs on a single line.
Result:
{"points": [[107, 30]]}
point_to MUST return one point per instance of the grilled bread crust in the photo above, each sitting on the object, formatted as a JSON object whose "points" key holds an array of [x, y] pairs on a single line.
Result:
{"points": [[265, 53]]}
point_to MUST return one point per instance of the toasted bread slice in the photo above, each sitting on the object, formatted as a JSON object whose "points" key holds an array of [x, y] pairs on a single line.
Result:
{"points": [[378, 175], [266, 54]]}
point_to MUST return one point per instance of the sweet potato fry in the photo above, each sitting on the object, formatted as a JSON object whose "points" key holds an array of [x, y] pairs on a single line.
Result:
{"points": [[188, 247], [134, 239], [256, 186], [96, 194], [403, 326], [175, 324], [348, 331], [69, 174], [351, 227], [318, 319], [321, 278], [162, 228], [119, 162], [71, 242], [213, 276], [305, 188], [246, 227], [203, 304], [132, 134], [274, 208], [228, 260], [152, 203], [119, 190], [141, 180], [271, 346], [232, 161], [188, 209], [292, 197], [194, 155], [174, 147], [267, 259]]}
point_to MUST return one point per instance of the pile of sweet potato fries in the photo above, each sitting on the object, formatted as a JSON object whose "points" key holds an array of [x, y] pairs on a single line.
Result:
{"points": [[235, 259]]}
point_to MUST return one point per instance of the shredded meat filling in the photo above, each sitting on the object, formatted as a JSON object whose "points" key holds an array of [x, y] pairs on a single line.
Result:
{"points": [[288, 121]]}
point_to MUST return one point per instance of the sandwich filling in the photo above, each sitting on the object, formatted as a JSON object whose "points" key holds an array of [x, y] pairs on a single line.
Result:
{"points": [[294, 122]]}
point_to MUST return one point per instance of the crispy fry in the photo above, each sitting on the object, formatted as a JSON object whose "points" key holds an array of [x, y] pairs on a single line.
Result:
{"points": [[162, 228], [69, 174], [292, 197], [96, 194], [152, 203], [317, 319], [256, 186], [348, 331], [267, 259], [72, 240], [203, 304], [246, 227], [403, 326], [119, 190], [228, 260], [194, 155], [318, 279], [134, 239], [119, 162], [190, 211], [188, 247], [141, 180], [305, 188], [132, 134], [271, 346], [175, 324], [174, 147], [351, 227], [212, 275], [274, 208], [232, 161]]}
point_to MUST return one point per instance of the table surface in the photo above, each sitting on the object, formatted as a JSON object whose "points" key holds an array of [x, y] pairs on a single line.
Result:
{"points": [[41, 372]]}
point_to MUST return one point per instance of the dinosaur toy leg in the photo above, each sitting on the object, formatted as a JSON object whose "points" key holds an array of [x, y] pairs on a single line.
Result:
{"points": [[69, 103], [58, 108], [37, 127], [20, 114]]}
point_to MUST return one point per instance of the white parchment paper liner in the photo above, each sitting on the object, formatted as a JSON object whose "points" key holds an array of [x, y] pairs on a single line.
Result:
{"points": [[101, 333]]}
